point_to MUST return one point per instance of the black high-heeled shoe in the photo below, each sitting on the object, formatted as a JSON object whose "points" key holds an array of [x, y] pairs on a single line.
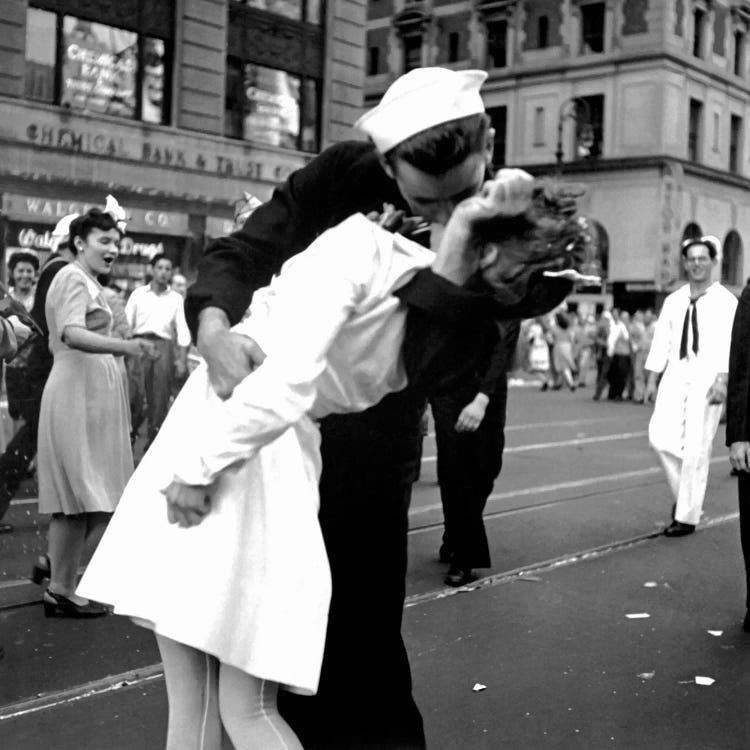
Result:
{"points": [[42, 570], [57, 605]]}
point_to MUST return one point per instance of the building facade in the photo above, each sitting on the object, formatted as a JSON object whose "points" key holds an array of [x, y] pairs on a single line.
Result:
{"points": [[175, 107], [645, 101]]}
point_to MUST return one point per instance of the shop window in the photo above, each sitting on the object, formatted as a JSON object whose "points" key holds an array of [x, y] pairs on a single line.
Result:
{"points": [[453, 41], [735, 143], [699, 22], [499, 121], [592, 23], [91, 67], [695, 122], [497, 44], [412, 52], [542, 32], [298, 10], [739, 53], [731, 260], [373, 61], [271, 106]]}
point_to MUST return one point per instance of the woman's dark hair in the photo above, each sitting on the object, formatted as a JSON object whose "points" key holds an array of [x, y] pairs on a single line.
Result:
{"points": [[442, 147], [94, 218], [562, 320], [22, 257]]}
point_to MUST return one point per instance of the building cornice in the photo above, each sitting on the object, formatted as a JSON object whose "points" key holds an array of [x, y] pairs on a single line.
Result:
{"points": [[611, 65], [661, 163]]}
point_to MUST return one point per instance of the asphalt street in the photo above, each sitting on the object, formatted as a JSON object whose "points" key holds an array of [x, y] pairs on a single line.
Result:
{"points": [[539, 653]]}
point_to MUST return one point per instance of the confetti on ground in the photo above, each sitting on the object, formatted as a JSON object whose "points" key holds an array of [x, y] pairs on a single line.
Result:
{"points": [[647, 675], [478, 686], [704, 680], [638, 616], [650, 585], [715, 632]]}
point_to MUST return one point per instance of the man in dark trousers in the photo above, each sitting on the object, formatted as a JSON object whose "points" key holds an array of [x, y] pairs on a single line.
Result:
{"points": [[469, 421], [431, 147], [738, 426]]}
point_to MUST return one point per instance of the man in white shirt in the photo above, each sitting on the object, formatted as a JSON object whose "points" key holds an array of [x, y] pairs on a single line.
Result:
{"points": [[691, 348], [155, 312]]}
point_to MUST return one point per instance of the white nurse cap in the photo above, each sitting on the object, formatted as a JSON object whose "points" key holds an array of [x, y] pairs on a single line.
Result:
{"points": [[61, 232], [421, 99]]}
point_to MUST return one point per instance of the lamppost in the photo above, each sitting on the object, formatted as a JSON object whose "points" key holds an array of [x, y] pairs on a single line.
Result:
{"points": [[580, 112]]}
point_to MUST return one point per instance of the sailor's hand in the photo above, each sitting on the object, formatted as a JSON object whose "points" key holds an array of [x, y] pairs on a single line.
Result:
{"points": [[739, 456], [509, 194], [472, 414], [230, 356], [717, 393]]}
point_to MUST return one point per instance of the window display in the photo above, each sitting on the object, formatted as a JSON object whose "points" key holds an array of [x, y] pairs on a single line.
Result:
{"points": [[272, 111], [96, 68]]}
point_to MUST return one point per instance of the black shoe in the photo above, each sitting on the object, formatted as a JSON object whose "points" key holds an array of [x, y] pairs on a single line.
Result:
{"points": [[544, 387], [42, 571], [444, 554], [6, 528], [677, 528], [459, 576], [56, 605]]}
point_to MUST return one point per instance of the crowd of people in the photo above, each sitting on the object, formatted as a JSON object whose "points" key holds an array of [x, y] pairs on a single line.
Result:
{"points": [[271, 505], [606, 349]]}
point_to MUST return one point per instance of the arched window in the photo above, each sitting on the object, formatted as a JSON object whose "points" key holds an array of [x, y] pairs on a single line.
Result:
{"points": [[692, 231], [731, 260]]}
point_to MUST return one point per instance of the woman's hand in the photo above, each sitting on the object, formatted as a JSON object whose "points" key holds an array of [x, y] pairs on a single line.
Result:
{"points": [[141, 348], [187, 504]]}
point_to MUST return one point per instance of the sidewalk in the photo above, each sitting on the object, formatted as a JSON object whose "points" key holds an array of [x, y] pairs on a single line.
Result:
{"points": [[562, 664]]}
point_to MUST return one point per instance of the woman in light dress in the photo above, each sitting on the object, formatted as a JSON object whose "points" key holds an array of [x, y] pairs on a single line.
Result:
{"points": [[231, 573], [84, 456]]}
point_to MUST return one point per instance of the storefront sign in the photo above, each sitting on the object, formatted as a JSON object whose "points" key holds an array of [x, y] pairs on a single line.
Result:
{"points": [[127, 142], [34, 208]]}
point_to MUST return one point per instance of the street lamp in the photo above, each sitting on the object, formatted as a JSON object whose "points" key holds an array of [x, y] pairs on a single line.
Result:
{"points": [[581, 113]]}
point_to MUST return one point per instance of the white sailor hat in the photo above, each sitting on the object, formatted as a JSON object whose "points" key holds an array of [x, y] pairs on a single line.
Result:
{"points": [[421, 99]]}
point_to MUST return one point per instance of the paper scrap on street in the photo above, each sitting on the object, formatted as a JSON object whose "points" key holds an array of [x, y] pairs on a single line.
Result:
{"points": [[638, 616], [650, 585], [715, 632], [478, 686], [704, 680], [647, 675]]}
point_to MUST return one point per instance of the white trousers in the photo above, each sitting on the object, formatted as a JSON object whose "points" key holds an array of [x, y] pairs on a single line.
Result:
{"points": [[687, 474]]}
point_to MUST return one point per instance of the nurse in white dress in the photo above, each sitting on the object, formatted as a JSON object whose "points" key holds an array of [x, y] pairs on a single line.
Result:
{"points": [[237, 590], [691, 348]]}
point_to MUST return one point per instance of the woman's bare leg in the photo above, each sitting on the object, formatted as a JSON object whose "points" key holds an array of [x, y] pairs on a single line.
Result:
{"points": [[192, 679], [249, 713]]}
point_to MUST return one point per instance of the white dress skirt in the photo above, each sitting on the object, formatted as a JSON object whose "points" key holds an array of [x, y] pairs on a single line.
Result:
{"points": [[250, 584]]}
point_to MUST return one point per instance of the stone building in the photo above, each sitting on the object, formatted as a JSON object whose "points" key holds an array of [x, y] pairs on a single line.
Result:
{"points": [[176, 107], [645, 101]]}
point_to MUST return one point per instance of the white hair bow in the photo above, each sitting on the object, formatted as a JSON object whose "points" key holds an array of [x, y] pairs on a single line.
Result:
{"points": [[116, 211]]}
